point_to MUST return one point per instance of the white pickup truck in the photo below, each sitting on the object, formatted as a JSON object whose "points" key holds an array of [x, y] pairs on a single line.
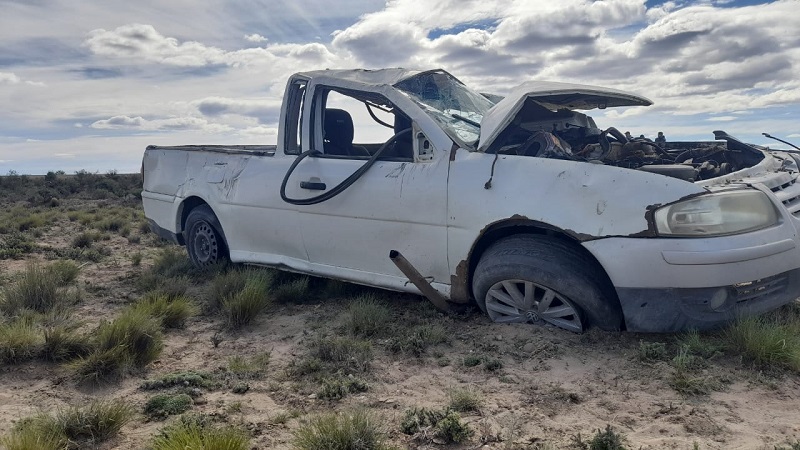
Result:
{"points": [[521, 203]]}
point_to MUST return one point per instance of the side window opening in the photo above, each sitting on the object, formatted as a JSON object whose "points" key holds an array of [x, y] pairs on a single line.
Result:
{"points": [[356, 124], [294, 118]]}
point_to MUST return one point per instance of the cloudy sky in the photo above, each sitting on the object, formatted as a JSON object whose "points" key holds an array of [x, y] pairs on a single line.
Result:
{"points": [[87, 85]]}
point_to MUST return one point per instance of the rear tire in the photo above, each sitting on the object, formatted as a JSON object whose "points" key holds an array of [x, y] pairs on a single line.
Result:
{"points": [[205, 242], [539, 279]]}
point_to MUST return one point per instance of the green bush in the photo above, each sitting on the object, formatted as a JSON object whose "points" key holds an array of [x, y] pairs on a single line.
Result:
{"points": [[765, 342], [247, 304], [65, 272], [19, 341], [367, 317], [464, 400], [226, 285], [186, 435], [132, 340], [295, 291], [183, 379], [343, 431], [37, 290], [65, 343], [445, 424], [607, 439], [171, 312], [345, 354], [339, 387], [163, 405], [418, 339], [71, 428]]}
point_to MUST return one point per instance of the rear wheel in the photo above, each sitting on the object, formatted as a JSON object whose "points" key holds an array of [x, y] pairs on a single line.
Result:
{"points": [[540, 279], [204, 240]]}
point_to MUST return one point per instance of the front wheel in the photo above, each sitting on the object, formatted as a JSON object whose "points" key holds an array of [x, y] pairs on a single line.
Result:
{"points": [[538, 279], [204, 240]]}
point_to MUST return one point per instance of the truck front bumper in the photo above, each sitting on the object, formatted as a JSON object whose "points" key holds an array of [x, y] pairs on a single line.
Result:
{"points": [[668, 285]]}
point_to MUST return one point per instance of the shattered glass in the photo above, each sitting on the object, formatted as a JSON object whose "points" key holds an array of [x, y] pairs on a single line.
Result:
{"points": [[456, 108]]}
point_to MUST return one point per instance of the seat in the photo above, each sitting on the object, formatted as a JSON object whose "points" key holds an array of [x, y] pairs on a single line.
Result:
{"points": [[402, 147], [338, 134]]}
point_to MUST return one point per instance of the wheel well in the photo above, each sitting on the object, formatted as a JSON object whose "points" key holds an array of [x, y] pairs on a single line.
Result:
{"points": [[512, 227], [186, 207]]}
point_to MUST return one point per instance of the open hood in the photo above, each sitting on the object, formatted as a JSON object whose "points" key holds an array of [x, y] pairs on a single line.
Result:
{"points": [[553, 96]]}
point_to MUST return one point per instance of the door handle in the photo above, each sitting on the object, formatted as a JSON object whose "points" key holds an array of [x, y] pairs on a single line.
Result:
{"points": [[313, 185]]}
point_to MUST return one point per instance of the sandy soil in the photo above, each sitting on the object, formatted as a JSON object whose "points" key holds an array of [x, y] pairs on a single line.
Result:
{"points": [[553, 384]]}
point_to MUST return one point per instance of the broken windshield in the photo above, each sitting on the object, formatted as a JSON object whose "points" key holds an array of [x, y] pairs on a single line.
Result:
{"points": [[451, 104]]}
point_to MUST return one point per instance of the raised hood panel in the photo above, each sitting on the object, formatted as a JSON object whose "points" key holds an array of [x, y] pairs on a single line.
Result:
{"points": [[554, 96]]}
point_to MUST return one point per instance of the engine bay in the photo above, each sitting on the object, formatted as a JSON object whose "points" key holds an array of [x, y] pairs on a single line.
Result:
{"points": [[566, 134]]}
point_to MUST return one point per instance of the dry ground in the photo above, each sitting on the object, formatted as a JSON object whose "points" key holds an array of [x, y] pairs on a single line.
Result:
{"points": [[540, 387]]}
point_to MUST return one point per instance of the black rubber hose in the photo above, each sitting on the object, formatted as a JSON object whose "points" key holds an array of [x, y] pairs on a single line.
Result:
{"points": [[339, 188]]}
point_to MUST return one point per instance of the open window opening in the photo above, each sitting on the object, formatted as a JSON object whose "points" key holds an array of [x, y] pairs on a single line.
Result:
{"points": [[356, 125]]}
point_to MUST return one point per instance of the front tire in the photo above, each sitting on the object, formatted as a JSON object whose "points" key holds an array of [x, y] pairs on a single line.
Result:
{"points": [[539, 279], [204, 239]]}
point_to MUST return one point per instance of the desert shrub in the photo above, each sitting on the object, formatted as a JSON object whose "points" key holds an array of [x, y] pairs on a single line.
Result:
{"points": [[171, 312], [244, 306], [464, 399], [705, 346], [172, 264], [686, 378], [337, 388], [249, 368], [418, 339], [367, 317], [765, 342], [225, 285], [183, 379], [132, 340], [136, 259], [343, 431], [65, 272], [19, 341], [83, 240], [188, 434], [295, 291], [15, 245], [444, 424], [64, 343], [36, 290], [472, 360], [342, 353], [163, 405], [492, 365], [652, 351], [607, 439], [71, 428]]}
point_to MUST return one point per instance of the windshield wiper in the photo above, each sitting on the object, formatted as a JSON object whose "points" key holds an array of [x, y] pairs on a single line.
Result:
{"points": [[780, 140], [464, 119]]}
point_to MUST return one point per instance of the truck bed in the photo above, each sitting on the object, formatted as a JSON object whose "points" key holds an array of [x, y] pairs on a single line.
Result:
{"points": [[257, 150]]}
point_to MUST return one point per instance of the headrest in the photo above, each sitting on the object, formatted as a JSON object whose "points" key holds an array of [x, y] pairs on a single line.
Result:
{"points": [[338, 127]]}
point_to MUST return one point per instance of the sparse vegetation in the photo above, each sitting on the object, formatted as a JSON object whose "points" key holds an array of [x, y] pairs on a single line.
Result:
{"points": [[418, 339], [71, 428], [367, 317], [65, 343], [244, 306], [170, 311], [766, 342], [182, 379], [161, 406], [248, 368], [345, 431], [337, 388], [294, 291], [38, 289], [652, 351], [607, 439], [464, 399], [194, 434], [19, 341], [132, 340], [444, 424]]}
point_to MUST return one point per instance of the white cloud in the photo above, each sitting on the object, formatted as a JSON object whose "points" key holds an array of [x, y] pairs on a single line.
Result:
{"points": [[168, 124], [722, 118], [255, 37], [12, 78]]}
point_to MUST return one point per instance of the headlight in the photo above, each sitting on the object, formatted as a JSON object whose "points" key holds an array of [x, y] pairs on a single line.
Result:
{"points": [[717, 214]]}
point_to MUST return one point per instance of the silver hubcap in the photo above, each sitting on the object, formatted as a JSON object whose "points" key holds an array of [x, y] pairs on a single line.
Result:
{"points": [[519, 301]]}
